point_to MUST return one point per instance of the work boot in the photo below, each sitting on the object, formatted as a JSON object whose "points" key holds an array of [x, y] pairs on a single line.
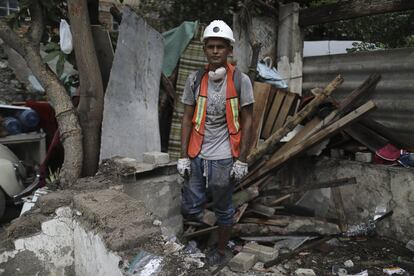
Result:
{"points": [[215, 258]]}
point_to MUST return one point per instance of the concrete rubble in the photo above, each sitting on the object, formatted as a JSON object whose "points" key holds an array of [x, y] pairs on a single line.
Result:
{"points": [[242, 262]]}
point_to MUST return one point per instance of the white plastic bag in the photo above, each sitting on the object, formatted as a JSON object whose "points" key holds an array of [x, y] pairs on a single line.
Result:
{"points": [[65, 37]]}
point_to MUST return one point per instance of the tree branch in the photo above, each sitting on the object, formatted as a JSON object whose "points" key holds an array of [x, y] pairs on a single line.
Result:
{"points": [[37, 26], [11, 38]]}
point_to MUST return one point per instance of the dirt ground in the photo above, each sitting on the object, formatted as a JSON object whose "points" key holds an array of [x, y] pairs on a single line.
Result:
{"points": [[372, 254]]}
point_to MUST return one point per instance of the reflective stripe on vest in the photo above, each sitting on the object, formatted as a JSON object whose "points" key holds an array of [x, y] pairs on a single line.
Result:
{"points": [[232, 116]]}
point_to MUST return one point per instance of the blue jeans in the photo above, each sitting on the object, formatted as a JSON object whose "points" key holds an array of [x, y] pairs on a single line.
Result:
{"points": [[220, 188]]}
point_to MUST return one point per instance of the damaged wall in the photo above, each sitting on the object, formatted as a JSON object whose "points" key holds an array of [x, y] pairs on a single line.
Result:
{"points": [[63, 247], [87, 239], [377, 186]]}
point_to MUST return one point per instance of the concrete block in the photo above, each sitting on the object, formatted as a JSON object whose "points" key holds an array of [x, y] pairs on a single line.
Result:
{"points": [[156, 157], [365, 157], [410, 245], [209, 217], [242, 262], [304, 272], [263, 253]]}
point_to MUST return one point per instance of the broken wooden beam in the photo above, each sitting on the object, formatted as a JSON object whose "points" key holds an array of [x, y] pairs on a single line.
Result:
{"points": [[200, 232], [286, 226], [269, 146], [312, 186], [278, 160], [245, 195]]}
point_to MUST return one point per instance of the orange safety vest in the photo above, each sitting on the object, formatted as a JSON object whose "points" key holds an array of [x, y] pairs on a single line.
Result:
{"points": [[232, 116]]}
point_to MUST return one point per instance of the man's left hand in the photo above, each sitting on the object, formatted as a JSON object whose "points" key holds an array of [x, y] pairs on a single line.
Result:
{"points": [[239, 170]]}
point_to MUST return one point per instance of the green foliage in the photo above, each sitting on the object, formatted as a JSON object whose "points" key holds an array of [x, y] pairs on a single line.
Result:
{"points": [[164, 15], [60, 64], [390, 30], [365, 46], [50, 56]]}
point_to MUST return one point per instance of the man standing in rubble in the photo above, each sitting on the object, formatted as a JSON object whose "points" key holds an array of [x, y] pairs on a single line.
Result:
{"points": [[216, 126]]}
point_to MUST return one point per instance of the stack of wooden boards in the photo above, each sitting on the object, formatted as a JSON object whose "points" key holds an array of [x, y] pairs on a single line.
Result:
{"points": [[274, 117]]}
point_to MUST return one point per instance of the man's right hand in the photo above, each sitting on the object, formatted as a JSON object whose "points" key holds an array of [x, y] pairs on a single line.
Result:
{"points": [[184, 167]]}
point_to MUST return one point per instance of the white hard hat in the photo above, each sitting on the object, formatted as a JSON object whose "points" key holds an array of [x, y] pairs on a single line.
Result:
{"points": [[218, 28]]}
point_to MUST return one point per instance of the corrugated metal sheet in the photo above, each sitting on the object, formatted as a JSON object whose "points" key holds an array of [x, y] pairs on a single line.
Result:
{"points": [[394, 94]]}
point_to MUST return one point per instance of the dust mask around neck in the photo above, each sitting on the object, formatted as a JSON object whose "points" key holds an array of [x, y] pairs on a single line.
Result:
{"points": [[218, 74]]}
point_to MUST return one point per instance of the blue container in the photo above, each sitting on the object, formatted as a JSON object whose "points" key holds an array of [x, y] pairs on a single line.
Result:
{"points": [[12, 125], [29, 119]]}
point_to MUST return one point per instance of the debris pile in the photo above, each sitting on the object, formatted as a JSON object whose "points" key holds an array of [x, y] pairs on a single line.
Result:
{"points": [[268, 229]]}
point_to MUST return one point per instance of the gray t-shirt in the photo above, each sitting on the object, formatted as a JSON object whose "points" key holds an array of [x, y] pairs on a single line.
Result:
{"points": [[216, 144]]}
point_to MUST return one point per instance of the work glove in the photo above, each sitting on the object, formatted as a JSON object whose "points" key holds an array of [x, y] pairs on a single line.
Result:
{"points": [[239, 170], [184, 167]]}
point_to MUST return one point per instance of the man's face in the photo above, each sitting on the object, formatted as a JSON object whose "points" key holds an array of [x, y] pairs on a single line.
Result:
{"points": [[216, 51]]}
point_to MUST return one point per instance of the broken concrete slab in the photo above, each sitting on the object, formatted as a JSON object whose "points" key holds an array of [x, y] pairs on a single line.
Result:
{"points": [[161, 194], [130, 119], [263, 253], [156, 157], [242, 262], [123, 222], [50, 202]]}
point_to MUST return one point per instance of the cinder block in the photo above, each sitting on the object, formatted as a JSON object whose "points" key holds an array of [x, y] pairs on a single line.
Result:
{"points": [[209, 217], [304, 272], [156, 157], [365, 157], [263, 253], [242, 262]]}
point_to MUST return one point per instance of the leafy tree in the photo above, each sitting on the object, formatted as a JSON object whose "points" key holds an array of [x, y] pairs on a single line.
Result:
{"points": [[26, 38]]}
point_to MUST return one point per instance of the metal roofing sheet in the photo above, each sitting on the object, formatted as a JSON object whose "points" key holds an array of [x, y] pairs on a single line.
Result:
{"points": [[394, 94]]}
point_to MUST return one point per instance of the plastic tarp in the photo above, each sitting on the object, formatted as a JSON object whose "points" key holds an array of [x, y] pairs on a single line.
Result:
{"points": [[175, 42]]}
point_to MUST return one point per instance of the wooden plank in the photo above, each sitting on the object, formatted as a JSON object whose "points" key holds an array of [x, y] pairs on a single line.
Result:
{"points": [[284, 111], [273, 112], [240, 212], [339, 207], [261, 94], [343, 10], [278, 160], [245, 195], [312, 186], [269, 146], [272, 95], [317, 123], [274, 222], [277, 201], [367, 137], [200, 232]]}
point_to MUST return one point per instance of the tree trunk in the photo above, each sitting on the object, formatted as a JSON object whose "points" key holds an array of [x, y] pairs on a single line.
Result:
{"points": [[91, 88], [70, 131]]}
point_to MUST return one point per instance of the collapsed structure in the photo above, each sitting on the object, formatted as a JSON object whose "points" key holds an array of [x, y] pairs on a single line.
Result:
{"points": [[127, 226]]}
